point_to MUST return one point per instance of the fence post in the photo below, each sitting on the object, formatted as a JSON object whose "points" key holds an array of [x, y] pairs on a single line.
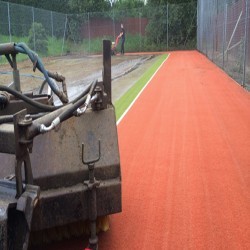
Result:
{"points": [[8, 4], [140, 27], [167, 26], [212, 40], [89, 31], [113, 23], [214, 34], [198, 37], [245, 45], [64, 33], [52, 28], [224, 36], [207, 37], [34, 34]]}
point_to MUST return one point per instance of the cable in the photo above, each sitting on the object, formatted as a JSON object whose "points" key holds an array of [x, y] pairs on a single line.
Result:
{"points": [[28, 100], [6, 118], [40, 105], [4, 99], [85, 91], [70, 111]]}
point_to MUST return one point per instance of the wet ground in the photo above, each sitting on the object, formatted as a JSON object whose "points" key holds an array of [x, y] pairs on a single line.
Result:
{"points": [[81, 71]]}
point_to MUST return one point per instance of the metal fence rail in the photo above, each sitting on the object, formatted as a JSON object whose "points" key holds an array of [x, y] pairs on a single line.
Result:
{"points": [[223, 36], [147, 29]]}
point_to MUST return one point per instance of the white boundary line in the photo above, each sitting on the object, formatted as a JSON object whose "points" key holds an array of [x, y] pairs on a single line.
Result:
{"points": [[132, 103]]}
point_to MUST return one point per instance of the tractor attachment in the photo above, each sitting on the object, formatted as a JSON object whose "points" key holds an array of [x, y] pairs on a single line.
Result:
{"points": [[59, 165]]}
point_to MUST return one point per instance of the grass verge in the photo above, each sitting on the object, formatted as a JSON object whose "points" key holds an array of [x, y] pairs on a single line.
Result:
{"points": [[123, 103]]}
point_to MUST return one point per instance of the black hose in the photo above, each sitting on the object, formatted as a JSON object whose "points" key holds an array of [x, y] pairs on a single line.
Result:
{"points": [[6, 118], [42, 86], [40, 105], [28, 100], [85, 91], [3, 100], [70, 111]]}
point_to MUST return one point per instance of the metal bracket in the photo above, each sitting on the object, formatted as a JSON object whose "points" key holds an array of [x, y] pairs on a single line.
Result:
{"points": [[91, 161], [102, 101], [23, 146], [17, 213], [92, 184]]}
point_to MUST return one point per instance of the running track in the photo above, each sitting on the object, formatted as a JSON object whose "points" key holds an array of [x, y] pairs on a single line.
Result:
{"points": [[185, 157]]}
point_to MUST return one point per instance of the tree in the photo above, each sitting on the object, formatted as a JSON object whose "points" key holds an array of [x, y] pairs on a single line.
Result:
{"points": [[38, 38], [165, 2], [127, 4], [172, 24], [79, 6], [55, 5]]}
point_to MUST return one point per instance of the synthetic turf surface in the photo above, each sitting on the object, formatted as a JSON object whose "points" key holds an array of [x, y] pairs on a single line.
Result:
{"points": [[185, 158]]}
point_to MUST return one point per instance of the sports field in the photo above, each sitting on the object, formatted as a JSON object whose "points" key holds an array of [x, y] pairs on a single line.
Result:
{"points": [[184, 148]]}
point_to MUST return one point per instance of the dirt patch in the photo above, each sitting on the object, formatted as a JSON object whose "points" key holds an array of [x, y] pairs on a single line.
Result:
{"points": [[80, 71]]}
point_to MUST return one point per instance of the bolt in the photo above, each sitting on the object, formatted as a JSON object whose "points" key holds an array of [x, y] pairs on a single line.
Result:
{"points": [[26, 121]]}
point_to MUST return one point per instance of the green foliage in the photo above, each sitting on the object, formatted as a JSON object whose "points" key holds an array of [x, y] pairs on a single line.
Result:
{"points": [[134, 43], [55, 5], [38, 38], [75, 22], [172, 25], [79, 6], [128, 4], [165, 2], [54, 47]]}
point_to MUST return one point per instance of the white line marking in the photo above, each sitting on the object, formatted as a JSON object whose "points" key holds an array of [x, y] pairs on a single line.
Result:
{"points": [[132, 103]]}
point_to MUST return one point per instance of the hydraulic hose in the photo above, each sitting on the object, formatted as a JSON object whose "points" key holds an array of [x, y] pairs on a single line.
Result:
{"points": [[71, 110], [6, 119], [23, 48], [42, 86], [85, 92], [28, 100], [39, 105], [4, 99]]}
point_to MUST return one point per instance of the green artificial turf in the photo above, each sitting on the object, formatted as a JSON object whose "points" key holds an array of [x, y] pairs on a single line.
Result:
{"points": [[123, 103]]}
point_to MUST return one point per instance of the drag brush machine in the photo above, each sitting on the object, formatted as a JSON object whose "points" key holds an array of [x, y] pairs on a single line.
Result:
{"points": [[59, 164]]}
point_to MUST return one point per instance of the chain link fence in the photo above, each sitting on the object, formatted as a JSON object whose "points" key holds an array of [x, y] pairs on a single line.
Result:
{"points": [[42, 30], [223, 36], [147, 29]]}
